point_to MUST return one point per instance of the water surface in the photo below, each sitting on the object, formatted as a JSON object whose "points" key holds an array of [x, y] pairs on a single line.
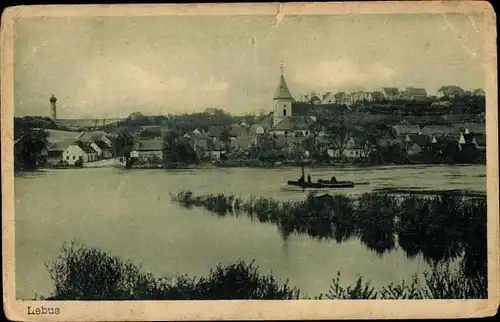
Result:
{"points": [[130, 214]]}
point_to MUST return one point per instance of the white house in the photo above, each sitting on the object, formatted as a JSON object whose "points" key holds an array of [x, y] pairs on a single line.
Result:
{"points": [[73, 153], [328, 98], [352, 149], [256, 130], [65, 152]]}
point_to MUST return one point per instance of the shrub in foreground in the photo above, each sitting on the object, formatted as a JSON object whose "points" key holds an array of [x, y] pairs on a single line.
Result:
{"points": [[81, 273]]}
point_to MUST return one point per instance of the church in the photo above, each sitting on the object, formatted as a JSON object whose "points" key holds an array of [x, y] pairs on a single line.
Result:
{"points": [[290, 118]]}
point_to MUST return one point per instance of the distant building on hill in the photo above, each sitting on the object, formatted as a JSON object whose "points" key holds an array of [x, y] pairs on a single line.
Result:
{"points": [[414, 94], [390, 93], [450, 91], [478, 92]]}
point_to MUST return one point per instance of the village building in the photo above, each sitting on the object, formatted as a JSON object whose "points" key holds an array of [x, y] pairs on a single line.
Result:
{"points": [[290, 118], [377, 96], [292, 126], [283, 101], [66, 151], [256, 129], [403, 129], [353, 149], [450, 91], [106, 148], [216, 151], [478, 92], [390, 93], [414, 94], [149, 149], [361, 96], [91, 153], [475, 128], [328, 98], [415, 144], [342, 98], [70, 151], [440, 130]]}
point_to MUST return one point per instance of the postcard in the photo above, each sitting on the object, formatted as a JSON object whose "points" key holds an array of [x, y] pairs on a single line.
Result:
{"points": [[250, 161]]}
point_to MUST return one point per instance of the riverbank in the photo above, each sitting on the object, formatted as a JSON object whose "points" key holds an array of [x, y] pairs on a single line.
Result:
{"points": [[102, 276], [267, 165]]}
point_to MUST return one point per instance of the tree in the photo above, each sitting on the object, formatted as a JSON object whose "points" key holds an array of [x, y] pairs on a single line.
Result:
{"points": [[177, 150], [225, 136], [29, 149], [366, 136], [338, 131], [123, 144]]}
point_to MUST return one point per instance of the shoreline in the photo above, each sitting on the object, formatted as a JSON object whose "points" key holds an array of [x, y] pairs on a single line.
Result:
{"points": [[210, 165]]}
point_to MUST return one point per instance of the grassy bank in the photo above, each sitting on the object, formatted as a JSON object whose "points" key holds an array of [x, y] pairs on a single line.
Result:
{"points": [[81, 273], [441, 228]]}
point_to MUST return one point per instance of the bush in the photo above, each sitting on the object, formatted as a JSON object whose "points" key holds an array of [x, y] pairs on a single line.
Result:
{"points": [[81, 273]]}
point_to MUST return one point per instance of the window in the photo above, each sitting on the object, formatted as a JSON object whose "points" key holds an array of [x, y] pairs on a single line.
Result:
{"points": [[74, 157], [67, 157], [284, 111], [307, 133]]}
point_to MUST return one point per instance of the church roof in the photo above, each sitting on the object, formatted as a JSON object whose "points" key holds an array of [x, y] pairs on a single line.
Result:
{"points": [[282, 91]]}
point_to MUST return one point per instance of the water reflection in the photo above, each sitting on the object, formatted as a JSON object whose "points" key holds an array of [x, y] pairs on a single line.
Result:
{"points": [[440, 228]]}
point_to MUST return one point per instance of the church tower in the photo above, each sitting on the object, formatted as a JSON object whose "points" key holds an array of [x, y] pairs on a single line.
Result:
{"points": [[283, 101]]}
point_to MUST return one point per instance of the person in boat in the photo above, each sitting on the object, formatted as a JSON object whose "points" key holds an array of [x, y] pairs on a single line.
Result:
{"points": [[309, 178], [301, 179], [333, 179]]}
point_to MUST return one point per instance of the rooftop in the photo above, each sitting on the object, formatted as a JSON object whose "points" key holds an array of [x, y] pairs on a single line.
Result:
{"points": [[150, 145], [282, 91]]}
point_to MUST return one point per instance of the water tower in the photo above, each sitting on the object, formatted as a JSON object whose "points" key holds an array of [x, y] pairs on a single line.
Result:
{"points": [[53, 107]]}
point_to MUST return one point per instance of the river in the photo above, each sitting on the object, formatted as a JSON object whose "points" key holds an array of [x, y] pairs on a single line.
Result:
{"points": [[130, 214]]}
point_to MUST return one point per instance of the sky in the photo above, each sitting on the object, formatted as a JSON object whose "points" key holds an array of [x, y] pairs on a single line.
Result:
{"points": [[112, 66]]}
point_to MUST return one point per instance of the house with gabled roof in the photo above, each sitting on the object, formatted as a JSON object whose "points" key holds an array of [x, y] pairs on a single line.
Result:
{"points": [[256, 129], [377, 96], [106, 151], [475, 128], [66, 151], [148, 149], [478, 92], [390, 93], [440, 130], [237, 130], [292, 126], [403, 129], [450, 91], [328, 98], [417, 143], [414, 94], [343, 98]]}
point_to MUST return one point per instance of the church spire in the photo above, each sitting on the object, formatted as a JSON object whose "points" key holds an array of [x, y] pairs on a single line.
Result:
{"points": [[282, 92]]}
